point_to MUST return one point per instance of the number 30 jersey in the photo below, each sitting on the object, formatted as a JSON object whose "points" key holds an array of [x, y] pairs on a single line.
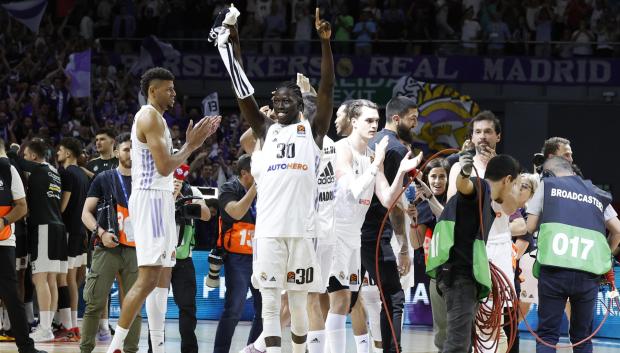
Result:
{"points": [[286, 203]]}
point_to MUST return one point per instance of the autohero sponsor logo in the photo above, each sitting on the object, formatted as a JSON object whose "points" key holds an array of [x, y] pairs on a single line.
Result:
{"points": [[575, 196], [285, 166], [328, 175]]}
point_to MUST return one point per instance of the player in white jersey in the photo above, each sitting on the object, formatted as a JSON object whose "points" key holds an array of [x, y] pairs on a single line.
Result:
{"points": [[284, 254], [359, 175], [151, 204]]}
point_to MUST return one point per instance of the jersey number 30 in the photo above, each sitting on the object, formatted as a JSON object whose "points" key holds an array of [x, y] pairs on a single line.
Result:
{"points": [[286, 150]]}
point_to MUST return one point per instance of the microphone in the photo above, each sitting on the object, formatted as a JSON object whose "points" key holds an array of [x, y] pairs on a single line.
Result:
{"points": [[410, 193], [181, 172]]}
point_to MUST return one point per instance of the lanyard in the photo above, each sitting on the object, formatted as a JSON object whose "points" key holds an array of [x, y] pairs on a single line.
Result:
{"points": [[120, 179]]}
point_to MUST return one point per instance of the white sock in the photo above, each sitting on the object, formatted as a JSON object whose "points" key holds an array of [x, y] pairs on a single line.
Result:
{"points": [[45, 319], [156, 306], [362, 343], [316, 341], [118, 339], [104, 325], [64, 315], [29, 312], [335, 332], [74, 319], [56, 317], [6, 323], [259, 344]]}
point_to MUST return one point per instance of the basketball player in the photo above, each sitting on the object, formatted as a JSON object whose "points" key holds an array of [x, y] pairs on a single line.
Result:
{"points": [[285, 257], [359, 175], [151, 203]]}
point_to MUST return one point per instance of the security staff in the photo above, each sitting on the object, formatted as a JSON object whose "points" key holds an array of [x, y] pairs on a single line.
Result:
{"points": [[457, 254], [237, 201], [115, 252], [572, 250]]}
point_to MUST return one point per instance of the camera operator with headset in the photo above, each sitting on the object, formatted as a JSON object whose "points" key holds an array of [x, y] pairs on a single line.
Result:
{"points": [[113, 241], [237, 202]]}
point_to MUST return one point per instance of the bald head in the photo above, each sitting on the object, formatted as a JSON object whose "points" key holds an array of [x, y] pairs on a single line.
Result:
{"points": [[559, 166]]}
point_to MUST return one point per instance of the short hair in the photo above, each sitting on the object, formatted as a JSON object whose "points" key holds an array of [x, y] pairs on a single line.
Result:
{"points": [[399, 105], [532, 179], [557, 165], [486, 115], [38, 147], [244, 163], [354, 109], [106, 131], [292, 85], [436, 163], [122, 138], [309, 106], [552, 145], [73, 145], [502, 166], [156, 73]]}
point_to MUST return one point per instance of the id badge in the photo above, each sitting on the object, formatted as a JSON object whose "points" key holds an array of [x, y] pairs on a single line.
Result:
{"points": [[128, 229]]}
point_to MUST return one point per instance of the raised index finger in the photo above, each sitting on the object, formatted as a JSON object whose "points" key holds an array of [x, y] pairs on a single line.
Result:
{"points": [[317, 17]]}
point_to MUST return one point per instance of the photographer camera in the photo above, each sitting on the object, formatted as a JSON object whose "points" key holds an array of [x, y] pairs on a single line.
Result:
{"points": [[114, 252], [237, 201]]}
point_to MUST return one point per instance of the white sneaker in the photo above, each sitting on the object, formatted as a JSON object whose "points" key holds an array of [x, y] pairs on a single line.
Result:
{"points": [[42, 335]]}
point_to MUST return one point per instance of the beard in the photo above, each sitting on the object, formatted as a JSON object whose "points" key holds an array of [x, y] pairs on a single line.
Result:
{"points": [[404, 133]]}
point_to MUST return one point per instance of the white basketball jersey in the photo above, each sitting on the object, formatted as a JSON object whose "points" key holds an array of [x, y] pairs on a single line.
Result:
{"points": [[327, 191], [287, 200], [500, 229], [144, 175], [350, 212]]}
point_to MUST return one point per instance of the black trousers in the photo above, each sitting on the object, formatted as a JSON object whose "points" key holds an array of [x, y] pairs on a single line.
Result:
{"points": [[184, 291], [14, 305], [391, 287]]}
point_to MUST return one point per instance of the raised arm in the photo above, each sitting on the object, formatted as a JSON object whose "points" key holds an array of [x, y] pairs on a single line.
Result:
{"points": [[325, 95], [151, 128], [248, 106]]}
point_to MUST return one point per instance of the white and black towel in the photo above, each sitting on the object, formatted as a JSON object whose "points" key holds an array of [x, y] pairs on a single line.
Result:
{"points": [[219, 36]]}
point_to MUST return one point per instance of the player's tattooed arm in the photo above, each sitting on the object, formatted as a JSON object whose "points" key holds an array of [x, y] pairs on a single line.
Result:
{"points": [[325, 95]]}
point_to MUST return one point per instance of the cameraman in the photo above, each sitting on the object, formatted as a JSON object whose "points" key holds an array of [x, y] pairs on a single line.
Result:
{"points": [[115, 251], [237, 201], [183, 273]]}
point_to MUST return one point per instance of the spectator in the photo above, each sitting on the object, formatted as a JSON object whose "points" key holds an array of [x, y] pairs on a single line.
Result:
{"points": [[577, 11], [303, 29], [584, 39], [520, 36], [470, 33], [275, 26], [604, 35], [497, 34], [365, 31], [543, 31], [343, 25], [393, 26]]}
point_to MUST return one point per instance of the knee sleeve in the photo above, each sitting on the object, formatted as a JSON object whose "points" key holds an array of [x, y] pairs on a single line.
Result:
{"points": [[297, 303], [271, 312], [156, 307]]}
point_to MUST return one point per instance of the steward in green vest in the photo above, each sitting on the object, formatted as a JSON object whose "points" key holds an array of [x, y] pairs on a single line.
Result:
{"points": [[573, 251], [457, 253]]}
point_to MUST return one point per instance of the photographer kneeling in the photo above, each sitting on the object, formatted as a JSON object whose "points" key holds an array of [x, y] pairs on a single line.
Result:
{"points": [[115, 251], [237, 202]]}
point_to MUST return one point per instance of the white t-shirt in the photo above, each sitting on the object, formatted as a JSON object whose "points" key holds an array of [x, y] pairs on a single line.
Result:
{"points": [[17, 190], [469, 32]]}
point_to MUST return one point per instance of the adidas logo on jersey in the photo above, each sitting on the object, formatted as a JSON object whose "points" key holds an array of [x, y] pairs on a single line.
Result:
{"points": [[327, 176]]}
